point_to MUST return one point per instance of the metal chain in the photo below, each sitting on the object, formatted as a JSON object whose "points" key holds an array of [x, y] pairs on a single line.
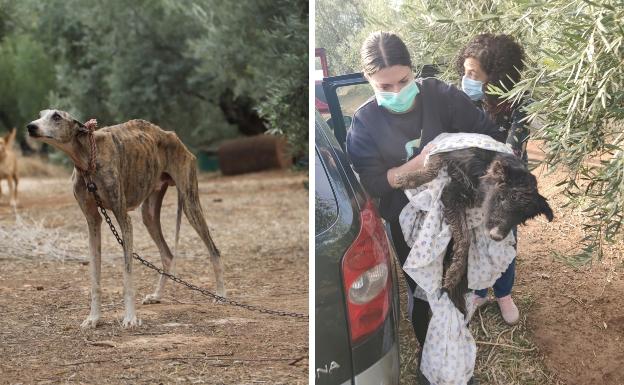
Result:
{"points": [[93, 189]]}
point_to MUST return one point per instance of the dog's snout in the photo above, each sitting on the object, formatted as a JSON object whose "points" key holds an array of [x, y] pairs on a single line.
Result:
{"points": [[496, 235], [32, 128]]}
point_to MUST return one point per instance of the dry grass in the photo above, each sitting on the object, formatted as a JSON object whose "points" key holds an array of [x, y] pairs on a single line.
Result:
{"points": [[258, 221], [505, 354], [29, 238], [37, 166]]}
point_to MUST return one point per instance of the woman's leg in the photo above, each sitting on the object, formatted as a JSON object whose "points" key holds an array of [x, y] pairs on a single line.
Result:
{"points": [[502, 291], [420, 308], [503, 285]]}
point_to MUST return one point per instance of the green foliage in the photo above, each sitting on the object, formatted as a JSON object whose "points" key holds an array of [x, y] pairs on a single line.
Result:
{"points": [[574, 74], [251, 46], [26, 76], [131, 63], [166, 61], [285, 103], [342, 27]]}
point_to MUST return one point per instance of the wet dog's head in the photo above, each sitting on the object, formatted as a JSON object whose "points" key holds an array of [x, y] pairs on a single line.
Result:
{"points": [[55, 127], [511, 196]]}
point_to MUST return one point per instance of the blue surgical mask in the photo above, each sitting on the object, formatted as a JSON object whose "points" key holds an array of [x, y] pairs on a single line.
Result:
{"points": [[398, 101], [473, 88]]}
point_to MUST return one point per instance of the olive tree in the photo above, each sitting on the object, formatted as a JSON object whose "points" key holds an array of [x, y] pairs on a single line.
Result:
{"points": [[574, 74]]}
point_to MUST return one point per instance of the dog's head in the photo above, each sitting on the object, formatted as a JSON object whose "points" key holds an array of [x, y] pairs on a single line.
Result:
{"points": [[6, 142], [55, 127], [511, 196]]}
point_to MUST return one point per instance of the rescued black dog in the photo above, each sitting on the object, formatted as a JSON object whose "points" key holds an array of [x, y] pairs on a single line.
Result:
{"points": [[500, 183]]}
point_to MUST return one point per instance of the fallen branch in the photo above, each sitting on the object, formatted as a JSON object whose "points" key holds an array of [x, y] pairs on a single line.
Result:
{"points": [[84, 362], [483, 326], [572, 299], [199, 357], [297, 360], [223, 357], [506, 346], [109, 344]]}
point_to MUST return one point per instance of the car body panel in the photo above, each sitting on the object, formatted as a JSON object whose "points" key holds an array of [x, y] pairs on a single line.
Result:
{"points": [[383, 372], [337, 361], [332, 341]]}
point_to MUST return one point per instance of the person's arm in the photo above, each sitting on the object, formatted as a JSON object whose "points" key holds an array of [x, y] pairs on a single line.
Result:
{"points": [[366, 160], [518, 132], [464, 117], [375, 176], [414, 164]]}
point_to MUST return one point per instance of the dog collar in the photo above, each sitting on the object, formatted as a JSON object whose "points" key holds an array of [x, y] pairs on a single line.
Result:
{"points": [[88, 128]]}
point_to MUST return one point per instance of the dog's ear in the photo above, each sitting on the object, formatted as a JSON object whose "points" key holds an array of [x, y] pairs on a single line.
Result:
{"points": [[9, 138], [496, 172], [80, 127], [544, 208]]}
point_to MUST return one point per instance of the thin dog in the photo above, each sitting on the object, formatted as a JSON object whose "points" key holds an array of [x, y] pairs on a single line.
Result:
{"points": [[136, 162], [8, 165]]}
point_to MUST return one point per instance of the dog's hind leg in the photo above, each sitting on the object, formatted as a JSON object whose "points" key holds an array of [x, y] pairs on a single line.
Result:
{"points": [[455, 282], [187, 186], [94, 221], [125, 224], [150, 210]]}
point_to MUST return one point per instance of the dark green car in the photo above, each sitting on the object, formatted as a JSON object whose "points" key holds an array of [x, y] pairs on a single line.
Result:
{"points": [[357, 306]]}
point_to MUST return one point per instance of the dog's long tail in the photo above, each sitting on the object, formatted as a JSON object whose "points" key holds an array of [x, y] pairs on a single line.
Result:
{"points": [[178, 223]]}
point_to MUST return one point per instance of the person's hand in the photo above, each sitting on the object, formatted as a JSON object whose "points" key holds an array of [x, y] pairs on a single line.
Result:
{"points": [[415, 164], [418, 163]]}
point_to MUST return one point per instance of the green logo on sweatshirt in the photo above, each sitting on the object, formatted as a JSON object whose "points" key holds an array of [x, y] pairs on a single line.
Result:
{"points": [[410, 146]]}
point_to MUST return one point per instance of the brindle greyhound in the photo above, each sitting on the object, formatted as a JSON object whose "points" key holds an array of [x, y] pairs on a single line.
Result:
{"points": [[136, 162]]}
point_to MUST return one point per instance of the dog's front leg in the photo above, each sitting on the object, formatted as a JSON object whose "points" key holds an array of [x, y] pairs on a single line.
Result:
{"points": [[94, 221], [14, 200], [12, 190], [125, 224], [413, 179]]}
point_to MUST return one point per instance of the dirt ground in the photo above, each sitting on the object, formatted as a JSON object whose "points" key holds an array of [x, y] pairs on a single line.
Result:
{"points": [[578, 315], [572, 317], [258, 221]]}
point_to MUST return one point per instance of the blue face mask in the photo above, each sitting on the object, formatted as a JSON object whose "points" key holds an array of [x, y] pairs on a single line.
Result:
{"points": [[398, 101], [473, 88]]}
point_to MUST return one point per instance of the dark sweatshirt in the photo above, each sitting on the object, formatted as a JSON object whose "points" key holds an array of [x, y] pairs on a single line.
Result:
{"points": [[377, 138]]}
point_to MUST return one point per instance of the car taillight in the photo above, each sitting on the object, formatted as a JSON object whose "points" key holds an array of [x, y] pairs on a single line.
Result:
{"points": [[366, 276]]}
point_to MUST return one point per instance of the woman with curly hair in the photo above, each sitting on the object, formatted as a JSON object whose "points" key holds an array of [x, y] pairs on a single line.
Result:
{"points": [[497, 60]]}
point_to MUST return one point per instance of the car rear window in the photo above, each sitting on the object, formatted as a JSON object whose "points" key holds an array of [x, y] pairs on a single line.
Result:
{"points": [[325, 205]]}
